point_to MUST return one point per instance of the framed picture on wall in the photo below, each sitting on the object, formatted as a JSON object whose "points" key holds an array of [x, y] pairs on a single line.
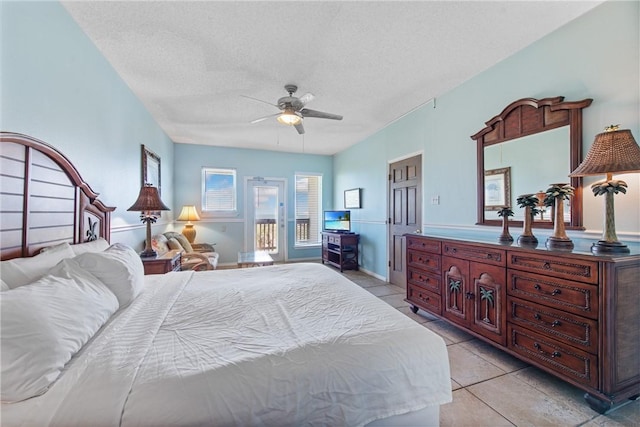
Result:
{"points": [[150, 168], [497, 189], [151, 172], [352, 199]]}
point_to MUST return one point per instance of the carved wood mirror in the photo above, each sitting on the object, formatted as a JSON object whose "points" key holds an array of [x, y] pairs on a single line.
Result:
{"points": [[532, 143]]}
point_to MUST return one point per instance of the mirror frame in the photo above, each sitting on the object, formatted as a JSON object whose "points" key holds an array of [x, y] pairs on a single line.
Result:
{"points": [[528, 116]]}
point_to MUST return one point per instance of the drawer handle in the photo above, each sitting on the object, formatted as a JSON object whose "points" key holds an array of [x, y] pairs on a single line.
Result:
{"points": [[546, 266], [555, 292], [489, 256], [540, 350], [552, 324], [454, 250]]}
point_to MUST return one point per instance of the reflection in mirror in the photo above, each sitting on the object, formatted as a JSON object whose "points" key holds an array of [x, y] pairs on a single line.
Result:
{"points": [[534, 162]]}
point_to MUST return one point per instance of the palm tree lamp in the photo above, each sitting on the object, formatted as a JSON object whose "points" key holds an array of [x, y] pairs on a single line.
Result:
{"points": [[613, 151], [148, 204], [189, 213]]}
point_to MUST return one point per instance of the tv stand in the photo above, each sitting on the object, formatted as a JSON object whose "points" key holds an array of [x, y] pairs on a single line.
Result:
{"points": [[340, 250]]}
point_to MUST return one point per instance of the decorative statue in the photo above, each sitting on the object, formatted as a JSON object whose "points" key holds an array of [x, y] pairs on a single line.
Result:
{"points": [[530, 204], [555, 196], [505, 213]]}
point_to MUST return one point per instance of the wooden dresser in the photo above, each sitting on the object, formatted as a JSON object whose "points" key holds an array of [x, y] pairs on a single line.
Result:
{"points": [[573, 314]]}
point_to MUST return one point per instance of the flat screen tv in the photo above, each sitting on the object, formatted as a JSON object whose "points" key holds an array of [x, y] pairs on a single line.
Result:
{"points": [[337, 221]]}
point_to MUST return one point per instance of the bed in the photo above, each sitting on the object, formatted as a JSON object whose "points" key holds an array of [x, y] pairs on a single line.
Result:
{"points": [[285, 345]]}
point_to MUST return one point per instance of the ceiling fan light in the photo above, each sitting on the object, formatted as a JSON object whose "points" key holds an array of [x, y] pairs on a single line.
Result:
{"points": [[289, 118]]}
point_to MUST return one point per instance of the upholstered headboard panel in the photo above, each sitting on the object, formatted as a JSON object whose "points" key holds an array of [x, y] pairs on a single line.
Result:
{"points": [[43, 199]]}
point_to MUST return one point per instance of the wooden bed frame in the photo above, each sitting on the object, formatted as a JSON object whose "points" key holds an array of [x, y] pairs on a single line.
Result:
{"points": [[44, 200]]}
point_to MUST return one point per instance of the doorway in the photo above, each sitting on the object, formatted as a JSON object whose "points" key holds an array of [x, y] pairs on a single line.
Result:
{"points": [[405, 212], [265, 223]]}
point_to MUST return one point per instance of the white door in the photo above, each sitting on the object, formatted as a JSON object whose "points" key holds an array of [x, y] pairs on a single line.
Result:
{"points": [[266, 223]]}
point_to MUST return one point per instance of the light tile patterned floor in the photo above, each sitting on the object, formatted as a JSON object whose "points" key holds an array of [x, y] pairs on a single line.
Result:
{"points": [[492, 388]]}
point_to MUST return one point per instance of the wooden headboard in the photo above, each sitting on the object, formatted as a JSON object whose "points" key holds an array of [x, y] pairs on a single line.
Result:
{"points": [[44, 200]]}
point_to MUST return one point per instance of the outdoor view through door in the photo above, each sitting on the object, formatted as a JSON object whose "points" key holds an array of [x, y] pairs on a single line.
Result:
{"points": [[405, 212], [266, 217]]}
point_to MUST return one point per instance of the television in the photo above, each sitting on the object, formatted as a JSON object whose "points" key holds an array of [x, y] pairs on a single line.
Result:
{"points": [[337, 221]]}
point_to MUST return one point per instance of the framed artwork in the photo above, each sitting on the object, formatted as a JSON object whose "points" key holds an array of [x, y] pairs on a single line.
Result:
{"points": [[150, 168], [352, 199], [497, 189], [151, 172]]}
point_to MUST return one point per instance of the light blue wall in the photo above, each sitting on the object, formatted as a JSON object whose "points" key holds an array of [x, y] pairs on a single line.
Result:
{"points": [[596, 56], [57, 87], [228, 233]]}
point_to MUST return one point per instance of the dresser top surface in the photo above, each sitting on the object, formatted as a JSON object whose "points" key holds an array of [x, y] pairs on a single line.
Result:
{"points": [[581, 247]]}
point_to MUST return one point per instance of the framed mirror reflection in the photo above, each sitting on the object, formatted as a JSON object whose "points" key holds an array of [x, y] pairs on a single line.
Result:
{"points": [[539, 142]]}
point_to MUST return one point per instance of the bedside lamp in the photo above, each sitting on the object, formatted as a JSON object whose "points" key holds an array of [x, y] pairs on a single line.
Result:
{"points": [[148, 203], [189, 213], [613, 151]]}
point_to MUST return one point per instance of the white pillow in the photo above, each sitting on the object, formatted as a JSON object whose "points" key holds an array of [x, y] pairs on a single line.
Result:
{"points": [[119, 267], [21, 271], [45, 323], [97, 245]]}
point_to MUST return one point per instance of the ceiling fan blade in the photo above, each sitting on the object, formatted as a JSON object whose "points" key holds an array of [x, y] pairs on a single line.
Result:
{"points": [[319, 114], [259, 100], [264, 118], [307, 97], [299, 128]]}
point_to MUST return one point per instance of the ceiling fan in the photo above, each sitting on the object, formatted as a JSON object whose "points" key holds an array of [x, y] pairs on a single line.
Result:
{"points": [[293, 109]]}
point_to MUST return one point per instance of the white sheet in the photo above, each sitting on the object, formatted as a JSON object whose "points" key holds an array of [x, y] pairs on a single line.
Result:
{"points": [[293, 344]]}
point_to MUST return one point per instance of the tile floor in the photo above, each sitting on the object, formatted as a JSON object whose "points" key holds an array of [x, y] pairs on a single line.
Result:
{"points": [[492, 388]]}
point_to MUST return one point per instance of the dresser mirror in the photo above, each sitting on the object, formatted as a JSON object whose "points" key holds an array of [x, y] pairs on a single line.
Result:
{"points": [[532, 143]]}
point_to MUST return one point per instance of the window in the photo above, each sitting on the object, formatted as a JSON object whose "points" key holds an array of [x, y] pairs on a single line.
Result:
{"points": [[219, 191], [308, 209]]}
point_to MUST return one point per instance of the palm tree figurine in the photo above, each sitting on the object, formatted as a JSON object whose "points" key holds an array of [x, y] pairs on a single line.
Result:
{"points": [[530, 204], [505, 213], [555, 196]]}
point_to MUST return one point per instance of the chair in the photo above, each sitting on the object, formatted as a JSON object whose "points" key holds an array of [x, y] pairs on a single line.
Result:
{"points": [[190, 260], [205, 249]]}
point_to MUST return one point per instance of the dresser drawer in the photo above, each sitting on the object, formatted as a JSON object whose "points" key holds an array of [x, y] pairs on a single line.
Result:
{"points": [[424, 299], [484, 254], [431, 282], [575, 297], [567, 361], [423, 244], [424, 260], [568, 328], [565, 268]]}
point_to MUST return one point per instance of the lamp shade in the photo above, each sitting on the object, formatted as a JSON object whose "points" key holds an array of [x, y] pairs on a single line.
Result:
{"points": [[613, 151], [148, 200], [188, 213]]}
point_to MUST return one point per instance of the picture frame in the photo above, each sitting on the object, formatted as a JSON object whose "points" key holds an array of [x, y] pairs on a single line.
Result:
{"points": [[151, 172], [352, 199], [151, 169], [497, 189]]}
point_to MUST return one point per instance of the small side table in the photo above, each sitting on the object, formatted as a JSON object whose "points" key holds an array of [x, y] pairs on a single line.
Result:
{"points": [[171, 261], [254, 259]]}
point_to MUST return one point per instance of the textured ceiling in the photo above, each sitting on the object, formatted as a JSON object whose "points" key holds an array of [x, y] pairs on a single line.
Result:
{"points": [[372, 62]]}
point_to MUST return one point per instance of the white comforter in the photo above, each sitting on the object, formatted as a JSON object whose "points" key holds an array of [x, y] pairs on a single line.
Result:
{"points": [[294, 344]]}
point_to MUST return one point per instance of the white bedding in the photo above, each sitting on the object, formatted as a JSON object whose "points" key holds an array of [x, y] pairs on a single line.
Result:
{"points": [[294, 344]]}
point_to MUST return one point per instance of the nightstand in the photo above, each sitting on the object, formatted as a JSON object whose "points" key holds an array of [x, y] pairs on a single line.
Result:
{"points": [[171, 261]]}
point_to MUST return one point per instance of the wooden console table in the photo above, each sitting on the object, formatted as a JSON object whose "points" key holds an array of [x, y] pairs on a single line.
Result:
{"points": [[573, 314], [340, 250]]}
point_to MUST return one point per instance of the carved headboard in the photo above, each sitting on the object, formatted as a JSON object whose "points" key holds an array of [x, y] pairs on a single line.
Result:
{"points": [[44, 200]]}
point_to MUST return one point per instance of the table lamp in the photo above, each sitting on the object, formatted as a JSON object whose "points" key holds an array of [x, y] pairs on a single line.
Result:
{"points": [[613, 151], [189, 213], [148, 203]]}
